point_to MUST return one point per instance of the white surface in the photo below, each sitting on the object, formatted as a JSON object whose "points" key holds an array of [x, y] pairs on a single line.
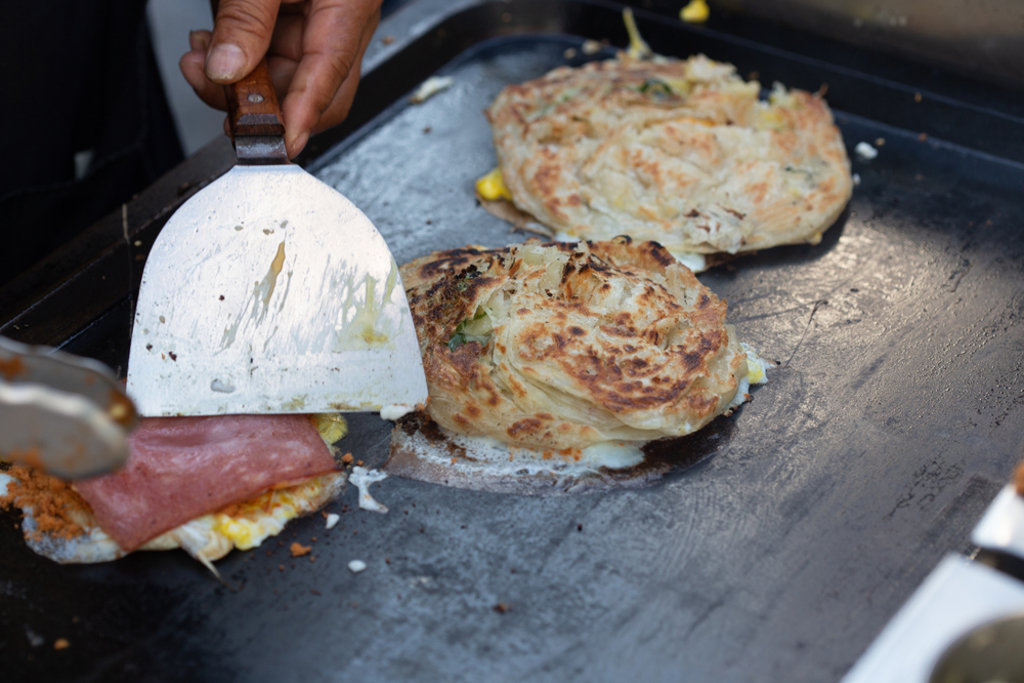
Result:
{"points": [[1002, 525], [956, 597], [362, 478], [270, 282]]}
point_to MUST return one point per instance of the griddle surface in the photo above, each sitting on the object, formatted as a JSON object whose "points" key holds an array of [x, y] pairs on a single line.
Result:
{"points": [[894, 418]]}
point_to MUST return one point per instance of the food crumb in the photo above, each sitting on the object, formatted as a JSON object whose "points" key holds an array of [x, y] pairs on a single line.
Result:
{"points": [[61, 644], [34, 639], [922, 136], [360, 462], [591, 47], [879, 142], [347, 458], [387, 40], [917, 97], [579, 527], [356, 566], [431, 87], [312, 558], [298, 550], [695, 12], [865, 151], [569, 53], [280, 567], [332, 520], [856, 179], [501, 608]]}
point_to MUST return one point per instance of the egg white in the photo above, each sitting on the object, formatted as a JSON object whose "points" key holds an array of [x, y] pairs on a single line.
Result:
{"points": [[208, 537]]}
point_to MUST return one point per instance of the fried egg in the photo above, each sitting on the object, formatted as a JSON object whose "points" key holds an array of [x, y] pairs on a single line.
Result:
{"points": [[206, 538]]}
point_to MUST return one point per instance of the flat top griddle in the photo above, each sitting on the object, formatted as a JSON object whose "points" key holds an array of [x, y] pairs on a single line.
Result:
{"points": [[894, 417]]}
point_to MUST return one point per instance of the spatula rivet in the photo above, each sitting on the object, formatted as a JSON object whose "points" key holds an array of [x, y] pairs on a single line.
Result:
{"points": [[255, 98]]}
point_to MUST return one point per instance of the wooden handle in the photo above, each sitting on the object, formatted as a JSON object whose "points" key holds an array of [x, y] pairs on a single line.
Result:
{"points": [[252, 105]]}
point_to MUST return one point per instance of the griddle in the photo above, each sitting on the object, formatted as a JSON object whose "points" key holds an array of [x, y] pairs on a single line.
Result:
{"points": [[894, 418]]}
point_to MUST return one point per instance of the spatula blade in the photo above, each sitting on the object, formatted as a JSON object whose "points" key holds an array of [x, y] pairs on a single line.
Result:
{"points": [[269, 292]]}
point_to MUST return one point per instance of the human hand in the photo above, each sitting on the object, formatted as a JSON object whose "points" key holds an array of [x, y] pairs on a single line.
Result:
{"points": [[314, 51]]}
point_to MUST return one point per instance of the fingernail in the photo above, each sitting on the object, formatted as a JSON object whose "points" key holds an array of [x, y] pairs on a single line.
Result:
{"points": [[198, 40], [225, 63], [300, 143]]}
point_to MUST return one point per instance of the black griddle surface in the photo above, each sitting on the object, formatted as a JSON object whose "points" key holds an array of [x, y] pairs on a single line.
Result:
{"points": [[894, 418]]}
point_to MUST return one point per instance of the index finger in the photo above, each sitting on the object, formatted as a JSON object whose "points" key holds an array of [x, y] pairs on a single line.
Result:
{"points": [[241, 34]]}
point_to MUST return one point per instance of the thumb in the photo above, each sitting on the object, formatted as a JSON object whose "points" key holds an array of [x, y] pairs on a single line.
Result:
{"points": [[241, 35]]}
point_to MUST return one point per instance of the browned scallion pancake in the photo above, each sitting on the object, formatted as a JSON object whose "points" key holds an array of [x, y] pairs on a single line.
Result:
{"points": [[680, 152], [559, 349]]}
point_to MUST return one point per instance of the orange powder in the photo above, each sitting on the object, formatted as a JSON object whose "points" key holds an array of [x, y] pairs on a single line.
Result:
{"points": [[52, 501]]}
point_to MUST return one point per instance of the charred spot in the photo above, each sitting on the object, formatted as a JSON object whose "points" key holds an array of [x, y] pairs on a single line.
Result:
{"points": [[523, 311], [449, 260], [659, 254], [703, 300], [561, 246], [619, 330], [472, 410], [567, 270], [574, 330], [629, 348], [735, 213], [527, 425], [694, 213], [692, 360], [464, 357], [599, 266], [623, 239], [560, 341], [460, 420], [545, 416]]}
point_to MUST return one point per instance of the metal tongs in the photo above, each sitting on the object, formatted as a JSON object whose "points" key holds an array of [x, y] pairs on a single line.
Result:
{"points": [[66, 415]]}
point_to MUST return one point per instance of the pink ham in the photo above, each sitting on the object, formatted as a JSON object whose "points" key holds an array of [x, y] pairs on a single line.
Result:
{"points": [[183, 467]]}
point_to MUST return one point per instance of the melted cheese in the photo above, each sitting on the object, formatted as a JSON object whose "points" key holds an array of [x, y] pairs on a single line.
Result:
{"points": [[491, 186], [695, 12]]}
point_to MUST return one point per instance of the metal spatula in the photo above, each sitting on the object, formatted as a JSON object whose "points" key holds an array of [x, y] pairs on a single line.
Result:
{"points": [[269, 292]]}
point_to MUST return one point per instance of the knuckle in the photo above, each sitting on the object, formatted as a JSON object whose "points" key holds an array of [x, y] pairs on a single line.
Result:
{"points": [[246, 17]]}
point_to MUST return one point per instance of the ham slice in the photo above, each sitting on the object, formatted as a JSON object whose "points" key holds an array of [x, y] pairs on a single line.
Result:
{"points": [[182, 467]]}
